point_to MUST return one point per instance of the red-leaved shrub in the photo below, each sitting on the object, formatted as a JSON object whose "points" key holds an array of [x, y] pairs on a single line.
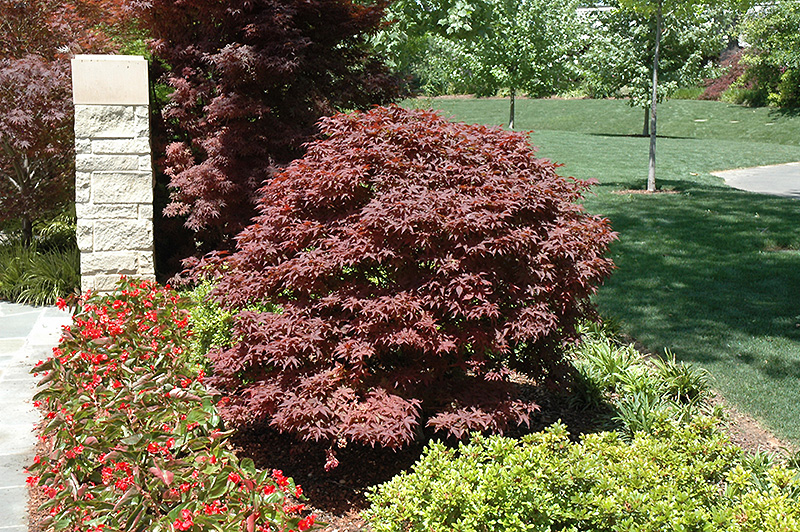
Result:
{"points": [[416, 262], [733, 71]]}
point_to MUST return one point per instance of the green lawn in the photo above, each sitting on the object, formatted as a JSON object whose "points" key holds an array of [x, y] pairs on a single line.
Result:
{"points": [[709, 272]]}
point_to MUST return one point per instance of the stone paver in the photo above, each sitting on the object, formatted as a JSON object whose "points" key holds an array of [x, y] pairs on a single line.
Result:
{"points": [[27, 334]]}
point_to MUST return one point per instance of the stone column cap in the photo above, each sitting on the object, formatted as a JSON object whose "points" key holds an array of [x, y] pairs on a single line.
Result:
{"points": [[110, 80]]}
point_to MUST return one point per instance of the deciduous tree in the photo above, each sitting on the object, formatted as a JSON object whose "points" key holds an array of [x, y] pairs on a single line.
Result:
{"points": [[649, 48], [415, 262], [36, 138], [482, 46], [250, 79], [773, 59]]}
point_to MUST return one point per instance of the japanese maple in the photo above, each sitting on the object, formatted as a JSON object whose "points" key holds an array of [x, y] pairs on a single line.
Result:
{"points": [[36, 138], [250, 80], [416, 263]]}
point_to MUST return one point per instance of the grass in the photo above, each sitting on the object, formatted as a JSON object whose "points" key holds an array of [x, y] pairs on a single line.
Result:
{"points": [[709, 272]]}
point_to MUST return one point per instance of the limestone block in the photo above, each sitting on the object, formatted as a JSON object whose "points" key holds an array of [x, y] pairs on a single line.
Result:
{"points": [[122, 235], [106, 163], [119, 262], [87, 283], [141, 123], [147, 265], [90, 211], [83, 146], [145, 163], [105, 121], [122, 187], [146, 211], [105, 283], [85, 235], [83, 187], [110, 79], [134, 146]]}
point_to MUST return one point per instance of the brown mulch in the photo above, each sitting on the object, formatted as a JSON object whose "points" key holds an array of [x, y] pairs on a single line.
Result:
{"points": [[338, 496], [640, 191]]}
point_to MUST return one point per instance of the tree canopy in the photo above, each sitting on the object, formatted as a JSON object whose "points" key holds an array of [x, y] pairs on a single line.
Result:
{"points": [[250, 78], [483, 46], [773, 59], [36, 137]]}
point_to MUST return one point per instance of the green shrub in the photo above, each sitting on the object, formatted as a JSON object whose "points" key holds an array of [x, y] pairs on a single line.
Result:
{"points": [[50, 275], [28, 275], [14, 261], [643, 392], [211, 324], [44, 271], [687, 93], [681, 383], [753, 97], [681, 477]]}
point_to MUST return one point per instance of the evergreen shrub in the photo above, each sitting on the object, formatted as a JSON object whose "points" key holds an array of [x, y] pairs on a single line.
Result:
{"points": [[680, 477]]}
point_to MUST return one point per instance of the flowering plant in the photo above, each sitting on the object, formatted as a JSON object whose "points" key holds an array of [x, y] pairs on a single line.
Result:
{"points": [[133, 438]]}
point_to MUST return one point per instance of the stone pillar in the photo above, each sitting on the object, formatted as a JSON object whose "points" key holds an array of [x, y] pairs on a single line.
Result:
{"points": [[113, 169]]}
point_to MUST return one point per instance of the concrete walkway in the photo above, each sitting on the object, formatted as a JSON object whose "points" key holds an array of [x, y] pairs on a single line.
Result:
{"points": [[777, 180], [27, 334]]}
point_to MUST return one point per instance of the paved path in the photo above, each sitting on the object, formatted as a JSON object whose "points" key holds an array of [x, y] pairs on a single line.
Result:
{"points": [[27, 334], [777, 180]]}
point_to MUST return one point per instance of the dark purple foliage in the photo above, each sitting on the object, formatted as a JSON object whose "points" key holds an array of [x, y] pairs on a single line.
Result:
{"points": [[416, 262], [251, 78]]}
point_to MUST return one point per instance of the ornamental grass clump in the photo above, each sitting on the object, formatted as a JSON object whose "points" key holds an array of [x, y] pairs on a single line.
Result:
{"points": [[132, 437], [415, 262]]}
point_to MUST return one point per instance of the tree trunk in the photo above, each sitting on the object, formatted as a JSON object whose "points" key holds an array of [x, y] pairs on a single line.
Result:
{"points": [[646, 126], [27, 231], [511, 109], [651, 174]]}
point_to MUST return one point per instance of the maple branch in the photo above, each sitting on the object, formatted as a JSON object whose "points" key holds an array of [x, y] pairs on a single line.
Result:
{"points": [[17, 168]]}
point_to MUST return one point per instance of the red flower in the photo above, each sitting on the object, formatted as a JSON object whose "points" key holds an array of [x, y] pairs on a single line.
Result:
{"points": [[61, 304], [234, 477], [277, 476], [305, 524], [185, 522]]}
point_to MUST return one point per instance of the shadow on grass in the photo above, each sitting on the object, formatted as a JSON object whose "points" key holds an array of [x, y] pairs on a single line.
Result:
{"points": [[638, 136], [710, 275], [785, 112]]}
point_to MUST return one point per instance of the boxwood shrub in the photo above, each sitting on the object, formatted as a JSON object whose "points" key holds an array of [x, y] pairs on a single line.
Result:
{"points": [[678, 478]]}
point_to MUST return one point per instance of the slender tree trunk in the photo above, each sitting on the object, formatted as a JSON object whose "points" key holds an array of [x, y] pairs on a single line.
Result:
{"points": [[511, 109], [646, 126], [651, 174], [27, 231]]}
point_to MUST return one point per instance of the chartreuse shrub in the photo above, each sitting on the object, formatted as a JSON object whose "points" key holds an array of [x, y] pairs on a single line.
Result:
{"points": [[680, 477], [133, 438], [415, 261], [211, 323]]}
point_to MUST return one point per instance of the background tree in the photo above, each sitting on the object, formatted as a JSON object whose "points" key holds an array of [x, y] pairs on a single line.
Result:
{"points": [[250, 80], [36, 137], [649, 48], [482, 46], [618, 59], [773, 59], [664, 17]]}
